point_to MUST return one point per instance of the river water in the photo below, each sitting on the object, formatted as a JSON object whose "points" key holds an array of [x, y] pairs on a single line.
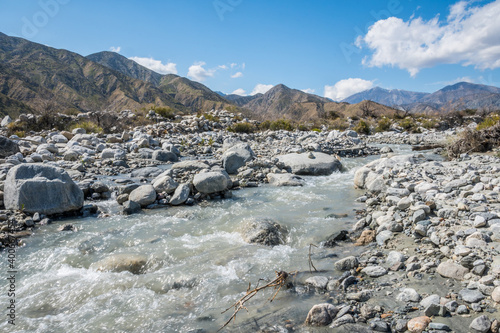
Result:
{"points": [[198, 263]]}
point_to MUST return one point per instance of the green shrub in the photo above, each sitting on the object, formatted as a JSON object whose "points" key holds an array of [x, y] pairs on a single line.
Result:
{"points": [[339, 124], [490, 121], [429, 123], [164, 112], [281, 124], [316, 130], [303, 128], [88, 126], [383, 125], [408, 124], [242, 128], [362, 127]]}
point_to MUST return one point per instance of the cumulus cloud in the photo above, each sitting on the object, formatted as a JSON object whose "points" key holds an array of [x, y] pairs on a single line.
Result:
{"points": [[237, 75], [346, 88], [261, 89], [468, 36], [198, 73], [116, 49], [240, 92], [308, 91], [156, 65]]}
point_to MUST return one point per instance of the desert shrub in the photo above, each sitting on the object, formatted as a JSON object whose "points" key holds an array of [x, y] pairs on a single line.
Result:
{"points": [[242, 128], [265, 125], [164, 112], [316, 130], [88, 126], [429, 123], [339, 124], [408, 124], [71, 112], [209, 117], [489, 121], [362, 127], [303, 128], [383, 125], [20, 134], [281, 124]]}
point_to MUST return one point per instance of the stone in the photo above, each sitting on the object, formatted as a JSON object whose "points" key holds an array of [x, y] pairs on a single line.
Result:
{"points": [[302, 164], [41, 188], [212, 182], [165, 184], [366, 237], [319, 282], [435, 310], [130, 207], [67, 227], [418, 324], [432, 299], [180, 195], [7, 147], [471, 296], [374, 271], [265, 232], [404, 203], [347, 263], [401, 325], [236, 157], [393, 258], [439, 327], [164, 156], [189, 166], [321, 314], [147, 172], [452, 270], [332, 240], [408, 295], [495, 295], [345, 319], [462, 309], [383, 237], [6, 121], [132, 263], [284, 179], [418, 215], [144, 195], [481, 324]]}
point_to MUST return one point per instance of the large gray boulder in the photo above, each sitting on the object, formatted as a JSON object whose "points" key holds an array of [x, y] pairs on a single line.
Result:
{"points": [[189, 165], [41, 188], [7, 147], [133, 263], [236, 157], [144, 195], [452, 270], [314, 164], [165, 184], [212, 182], [284, 179], [180, 195], [265, 232], [164, 156]]}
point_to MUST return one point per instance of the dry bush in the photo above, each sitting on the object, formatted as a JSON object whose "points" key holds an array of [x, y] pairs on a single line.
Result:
{"points": [[475, 141]]}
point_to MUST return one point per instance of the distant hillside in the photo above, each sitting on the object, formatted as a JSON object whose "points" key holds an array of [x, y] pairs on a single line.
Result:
{"points": [[32, 73], [386, 97], [459, 96], [242, 100], [193, 95]]}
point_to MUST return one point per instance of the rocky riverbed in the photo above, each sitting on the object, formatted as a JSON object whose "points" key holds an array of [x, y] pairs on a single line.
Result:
{"points": [[425, 249]]}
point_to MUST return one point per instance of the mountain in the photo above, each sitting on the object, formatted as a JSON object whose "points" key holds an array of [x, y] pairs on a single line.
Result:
{"points": [[241, 100], [386, 97], [459, 96], [193, 95], [32, 73], [126, 66]]}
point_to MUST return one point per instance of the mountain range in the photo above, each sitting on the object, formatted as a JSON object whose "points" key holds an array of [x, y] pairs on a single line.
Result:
{"points": [[459, 96], [32, 75]]}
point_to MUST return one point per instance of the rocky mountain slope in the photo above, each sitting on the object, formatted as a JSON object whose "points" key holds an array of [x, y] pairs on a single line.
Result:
{"points": [[386, 96]]}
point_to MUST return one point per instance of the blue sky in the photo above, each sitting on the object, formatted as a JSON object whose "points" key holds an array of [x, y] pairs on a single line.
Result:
{"points": [[328, 47]]}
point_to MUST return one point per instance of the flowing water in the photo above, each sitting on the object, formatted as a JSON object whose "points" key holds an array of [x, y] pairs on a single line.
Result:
{"points": [[198, 263]]}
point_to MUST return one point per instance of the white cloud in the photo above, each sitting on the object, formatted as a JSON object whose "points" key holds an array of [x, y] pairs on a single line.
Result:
{"points": [[116, 49], [222, 67], [198, 73], [240, 92], [156, 65], [261, 89], [233, 65], [308, 91], [237, 75], [468, 36], [346, 88]]}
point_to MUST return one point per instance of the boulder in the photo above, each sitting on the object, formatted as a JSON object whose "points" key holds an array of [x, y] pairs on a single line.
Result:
{"points": [[147, 172], [236, 157], [418, 324], [41, 188], [190, 166], [130, 207], [165, 184], [374, 271], [180, 195], [6, 121], [132, 263], [284, 179], [212, 182], [314, 164], [265, 232], [144, 195], [347, 263], [452, 270], [7, 147], [408, 295], [164, 156], [321, 314], [481, 324]]}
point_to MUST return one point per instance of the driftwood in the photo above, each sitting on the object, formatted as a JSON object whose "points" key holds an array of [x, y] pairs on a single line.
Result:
{"points": [[277, 283], [475, 141]]}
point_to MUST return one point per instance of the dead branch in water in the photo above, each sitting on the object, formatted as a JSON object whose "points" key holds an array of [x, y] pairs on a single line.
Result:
{"points": [[277, 283], [310, 260]]}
